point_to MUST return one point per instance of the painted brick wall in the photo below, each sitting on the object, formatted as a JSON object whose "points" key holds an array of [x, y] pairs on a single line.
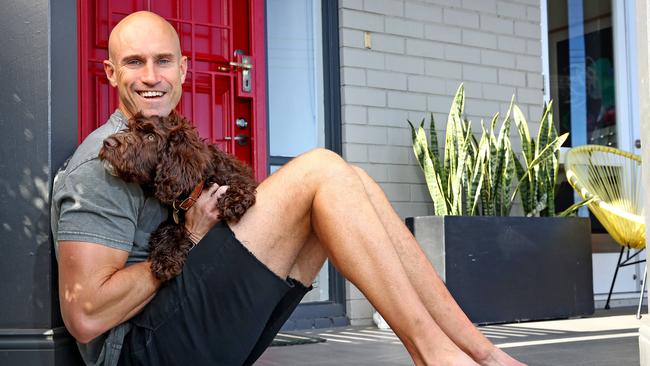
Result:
{"points": [[420, 52]]}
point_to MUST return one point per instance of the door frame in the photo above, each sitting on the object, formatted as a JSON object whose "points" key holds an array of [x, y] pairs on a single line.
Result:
{"points": [[627, 108], [259, 137]]}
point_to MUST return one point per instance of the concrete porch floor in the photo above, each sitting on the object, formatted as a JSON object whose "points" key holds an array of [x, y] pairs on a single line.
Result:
{"points": [[609, 338]]}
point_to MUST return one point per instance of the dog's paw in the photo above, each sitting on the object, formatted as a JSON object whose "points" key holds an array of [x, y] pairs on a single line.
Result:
{"points": [[233, 204], [168, 248], [233, 213], [166, 268]]}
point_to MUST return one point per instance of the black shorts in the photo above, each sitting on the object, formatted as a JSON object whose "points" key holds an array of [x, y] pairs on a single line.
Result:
{"points": [[224, 309]]}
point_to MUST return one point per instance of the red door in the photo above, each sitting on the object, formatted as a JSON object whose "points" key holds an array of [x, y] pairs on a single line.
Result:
{"points": [[225, 90]]}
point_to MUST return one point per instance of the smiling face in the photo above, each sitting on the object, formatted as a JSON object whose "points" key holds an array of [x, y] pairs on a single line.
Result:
{"points": [[146, 65]]}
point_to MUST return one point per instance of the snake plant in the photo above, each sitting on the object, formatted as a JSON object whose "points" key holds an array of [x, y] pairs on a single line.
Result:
{"points": [[538, 174], [476, 177]]}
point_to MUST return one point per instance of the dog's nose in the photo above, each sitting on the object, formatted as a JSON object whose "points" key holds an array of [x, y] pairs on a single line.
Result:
{"points": [[110, 142]]}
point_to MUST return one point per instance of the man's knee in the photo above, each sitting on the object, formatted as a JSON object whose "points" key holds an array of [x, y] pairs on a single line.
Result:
{"points": [[325, 162], [324, 156], [360, 171]]}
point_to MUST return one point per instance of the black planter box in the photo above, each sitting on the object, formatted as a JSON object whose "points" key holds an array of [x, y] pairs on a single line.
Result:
{"points": [[507, 269]]}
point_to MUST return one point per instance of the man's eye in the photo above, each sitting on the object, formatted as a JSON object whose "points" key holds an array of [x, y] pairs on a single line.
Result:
{"points": [[134, 62], [164, 61]]}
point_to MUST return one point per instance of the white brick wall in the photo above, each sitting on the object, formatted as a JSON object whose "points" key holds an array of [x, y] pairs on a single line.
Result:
{"points": [[421, 51]]}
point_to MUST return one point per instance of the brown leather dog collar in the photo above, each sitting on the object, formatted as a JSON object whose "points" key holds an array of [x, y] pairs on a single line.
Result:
{"points": [[187, 203]]}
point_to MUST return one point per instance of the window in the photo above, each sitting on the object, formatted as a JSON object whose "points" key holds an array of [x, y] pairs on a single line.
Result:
{"points": [[295, 63], [296, 92]]}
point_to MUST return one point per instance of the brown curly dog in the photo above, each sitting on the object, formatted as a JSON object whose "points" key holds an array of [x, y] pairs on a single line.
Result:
{"points": [[169, 159]]}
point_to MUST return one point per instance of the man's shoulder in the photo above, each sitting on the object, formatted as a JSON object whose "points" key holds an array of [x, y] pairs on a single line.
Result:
{"points": [[88, 150]]}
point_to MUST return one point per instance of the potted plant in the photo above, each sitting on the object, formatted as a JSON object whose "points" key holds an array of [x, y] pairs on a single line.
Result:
{"points": [[502, 268]]}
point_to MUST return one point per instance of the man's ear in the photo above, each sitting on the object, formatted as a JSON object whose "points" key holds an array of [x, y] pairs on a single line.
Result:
{"points": [[109, 69], [183, 68]]}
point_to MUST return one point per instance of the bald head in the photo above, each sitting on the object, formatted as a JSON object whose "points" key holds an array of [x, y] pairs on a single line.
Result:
{"points": [[139, 24], [145, 65]]}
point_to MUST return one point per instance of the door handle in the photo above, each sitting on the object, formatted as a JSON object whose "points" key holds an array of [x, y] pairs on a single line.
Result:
{"points": [[637, 143], [241, 65], [240, 139]]}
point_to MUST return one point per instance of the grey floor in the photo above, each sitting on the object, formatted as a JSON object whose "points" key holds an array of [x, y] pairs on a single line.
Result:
{"points": [[608, 339]]}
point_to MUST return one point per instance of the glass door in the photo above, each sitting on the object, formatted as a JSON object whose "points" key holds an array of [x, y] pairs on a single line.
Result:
{"points": [[590, 47], [581, 63]]}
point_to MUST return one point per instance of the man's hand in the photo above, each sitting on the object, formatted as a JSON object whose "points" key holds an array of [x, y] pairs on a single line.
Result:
{"points": [[203, 215]]}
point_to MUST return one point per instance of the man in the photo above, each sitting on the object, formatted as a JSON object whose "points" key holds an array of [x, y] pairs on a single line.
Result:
{"points": [[242, 281]]}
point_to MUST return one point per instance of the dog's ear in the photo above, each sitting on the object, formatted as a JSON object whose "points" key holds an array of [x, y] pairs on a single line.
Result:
{"points": [[183, 164]]}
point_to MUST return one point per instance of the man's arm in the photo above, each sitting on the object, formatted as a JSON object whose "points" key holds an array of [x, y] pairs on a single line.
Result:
{"points": [[96, 291]]}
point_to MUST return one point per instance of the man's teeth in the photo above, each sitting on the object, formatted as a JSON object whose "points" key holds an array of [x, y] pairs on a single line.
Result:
{"points": [[150, 94]]}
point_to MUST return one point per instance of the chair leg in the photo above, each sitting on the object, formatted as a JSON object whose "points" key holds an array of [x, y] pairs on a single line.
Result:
{"points": [[611, 288], [645, 277]]}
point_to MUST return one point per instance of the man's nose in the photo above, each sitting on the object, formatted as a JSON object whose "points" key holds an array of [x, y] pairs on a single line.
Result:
{"points": [[110, 142], [150, 74]]}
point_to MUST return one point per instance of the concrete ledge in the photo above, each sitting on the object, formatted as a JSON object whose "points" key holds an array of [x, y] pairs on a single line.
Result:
{"points": [[644, 343], [47, 347]]}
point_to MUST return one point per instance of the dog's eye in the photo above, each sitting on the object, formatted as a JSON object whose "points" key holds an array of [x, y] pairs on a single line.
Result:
{"points": [[151, 137]]}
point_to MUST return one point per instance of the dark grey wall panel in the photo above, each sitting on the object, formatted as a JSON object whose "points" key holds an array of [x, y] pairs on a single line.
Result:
{"points": [[63, 103], [25, 264], [63, 121], [38, 120]]}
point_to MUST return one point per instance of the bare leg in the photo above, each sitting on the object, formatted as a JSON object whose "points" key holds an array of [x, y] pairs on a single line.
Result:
{"points": [[318, 193], [309, 261], [430, 288], [437, 299]]}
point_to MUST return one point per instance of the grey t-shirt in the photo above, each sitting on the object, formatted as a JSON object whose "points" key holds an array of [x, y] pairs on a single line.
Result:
{"points": [[91, 205]]}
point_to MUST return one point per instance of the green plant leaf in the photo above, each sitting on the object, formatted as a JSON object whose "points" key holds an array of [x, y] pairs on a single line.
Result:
{"points": [[453, 136], [524, 190], [552, 167], [416, 145], [524, 134], [574, 207], [528, 148], [500, 172], [545, 130], [431, 176], [434, 151], [548, 150], [509, 172], [479, 171]]}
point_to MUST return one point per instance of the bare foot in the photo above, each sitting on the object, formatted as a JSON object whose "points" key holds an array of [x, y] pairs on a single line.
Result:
{"points": [[444, 356], [499, 358], [457, 359], [464, 361]]}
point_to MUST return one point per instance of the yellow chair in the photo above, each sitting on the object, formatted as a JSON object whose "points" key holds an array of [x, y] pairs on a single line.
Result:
{"points": [[612, 178]]}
